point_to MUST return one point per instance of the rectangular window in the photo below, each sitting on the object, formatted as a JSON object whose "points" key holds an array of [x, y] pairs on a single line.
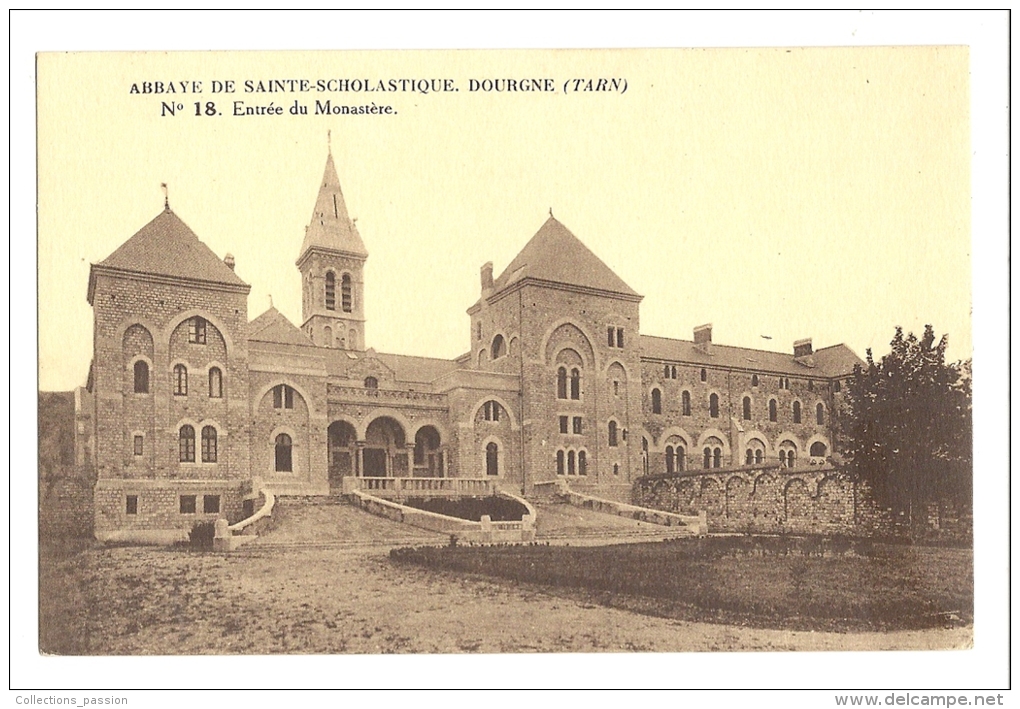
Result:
{"points": [[139, 443], [131, 504], [616, 387], [564, 424], [211, 504], [619, 337], [611, 336], [577, 424], [288, 397], [187, 504], [196, 331]]}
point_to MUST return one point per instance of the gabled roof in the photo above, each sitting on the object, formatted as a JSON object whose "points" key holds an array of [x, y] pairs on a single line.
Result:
{"points": [[416, 369], [166, 246], [273, 326], [554, 254], [330, 227], [834, 361], [838, 360]]}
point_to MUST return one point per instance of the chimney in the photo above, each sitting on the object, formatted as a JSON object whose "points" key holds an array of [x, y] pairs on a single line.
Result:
{"points": [[487, 279], [229, 260], [802, 348], [703, 334]]}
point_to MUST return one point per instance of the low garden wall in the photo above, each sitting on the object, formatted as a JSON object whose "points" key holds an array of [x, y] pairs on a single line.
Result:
{"points": [[773, 499], [484, 531]]}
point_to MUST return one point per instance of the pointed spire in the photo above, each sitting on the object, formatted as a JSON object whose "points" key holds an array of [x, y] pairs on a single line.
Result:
{"points": [[331, 228]]}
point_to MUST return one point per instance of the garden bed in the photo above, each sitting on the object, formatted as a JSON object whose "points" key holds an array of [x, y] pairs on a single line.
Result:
{"points": [[794, 583]]}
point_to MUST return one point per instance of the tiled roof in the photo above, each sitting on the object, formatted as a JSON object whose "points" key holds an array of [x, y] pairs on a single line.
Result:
{"points": [[554, 254], [838, 360], [417, 369], [330, 227], [273, 326], [834, 361], [166, 246]]}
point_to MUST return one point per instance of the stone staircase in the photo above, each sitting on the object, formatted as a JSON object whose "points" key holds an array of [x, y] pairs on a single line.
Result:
{"points": [[326, 522]]}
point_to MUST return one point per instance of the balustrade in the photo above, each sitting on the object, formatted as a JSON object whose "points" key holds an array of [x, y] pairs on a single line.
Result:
{"points": [[422, 487]]}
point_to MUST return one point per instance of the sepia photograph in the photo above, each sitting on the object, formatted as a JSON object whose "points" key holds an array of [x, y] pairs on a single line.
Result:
{"points": [[622, 352]]}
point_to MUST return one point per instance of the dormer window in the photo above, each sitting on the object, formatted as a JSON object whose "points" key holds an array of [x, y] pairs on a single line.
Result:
{"points": [[371, 383]]}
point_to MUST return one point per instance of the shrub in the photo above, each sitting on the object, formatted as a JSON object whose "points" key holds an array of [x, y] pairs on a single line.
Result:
{"points": [[201, 536]]}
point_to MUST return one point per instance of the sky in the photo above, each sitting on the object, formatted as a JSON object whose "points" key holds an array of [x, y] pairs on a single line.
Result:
{"points": [[776, 193]]}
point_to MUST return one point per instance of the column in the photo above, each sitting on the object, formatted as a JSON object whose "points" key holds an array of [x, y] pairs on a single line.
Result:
{"points": [[359, 459], [409, 447]]}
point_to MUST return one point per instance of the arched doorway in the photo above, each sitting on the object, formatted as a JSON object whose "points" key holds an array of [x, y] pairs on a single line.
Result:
{"points": [[385, 452], [341, 450], [428, 456]]}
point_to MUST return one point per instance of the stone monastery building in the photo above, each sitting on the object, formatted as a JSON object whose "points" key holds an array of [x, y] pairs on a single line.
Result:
{"points": [[188, 400]]}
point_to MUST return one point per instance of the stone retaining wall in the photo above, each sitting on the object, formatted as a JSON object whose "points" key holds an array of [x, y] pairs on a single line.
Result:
{"points": [[65, 507], [768, 499]]}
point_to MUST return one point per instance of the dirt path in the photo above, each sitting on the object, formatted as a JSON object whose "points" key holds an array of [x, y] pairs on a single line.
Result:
{"points": [[160, 601]]}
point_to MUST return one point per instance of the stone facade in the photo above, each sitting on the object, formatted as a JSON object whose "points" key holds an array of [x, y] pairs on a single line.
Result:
{"points": [[188, 400]]}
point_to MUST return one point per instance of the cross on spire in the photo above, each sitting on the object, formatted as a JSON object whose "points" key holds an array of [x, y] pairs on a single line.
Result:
{"points": [[166, 195]]}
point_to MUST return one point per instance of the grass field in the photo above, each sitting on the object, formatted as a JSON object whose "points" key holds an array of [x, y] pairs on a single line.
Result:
{"points": [[795, 584]]}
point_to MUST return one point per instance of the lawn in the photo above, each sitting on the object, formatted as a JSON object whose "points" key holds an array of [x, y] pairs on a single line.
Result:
{"points": [[804, 584]]}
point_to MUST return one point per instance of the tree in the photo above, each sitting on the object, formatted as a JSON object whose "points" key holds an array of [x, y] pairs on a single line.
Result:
{"points": [[907, 427]]}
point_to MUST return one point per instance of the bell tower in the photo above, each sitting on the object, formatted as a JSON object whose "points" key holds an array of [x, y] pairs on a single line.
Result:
{"points": [[332, 261]]}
